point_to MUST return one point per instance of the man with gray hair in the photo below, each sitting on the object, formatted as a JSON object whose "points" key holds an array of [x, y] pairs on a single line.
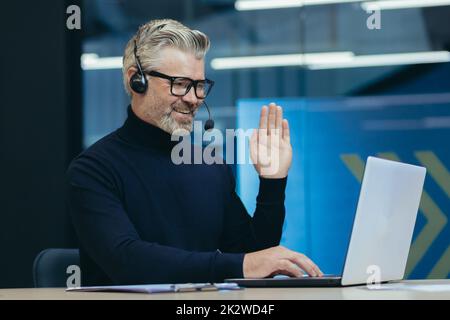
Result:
{"points": [[140, 218]]}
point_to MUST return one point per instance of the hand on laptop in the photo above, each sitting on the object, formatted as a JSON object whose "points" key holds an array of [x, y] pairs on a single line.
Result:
{"points": [[278, 260]]}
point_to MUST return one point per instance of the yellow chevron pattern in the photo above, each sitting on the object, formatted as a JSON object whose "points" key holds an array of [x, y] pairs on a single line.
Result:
{"points": [[440, 174], [355, 164], [436, 219], [442, 267]]}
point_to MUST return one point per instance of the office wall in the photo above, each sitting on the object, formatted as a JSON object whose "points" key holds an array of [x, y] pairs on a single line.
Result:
{"points": [[39, 131]]}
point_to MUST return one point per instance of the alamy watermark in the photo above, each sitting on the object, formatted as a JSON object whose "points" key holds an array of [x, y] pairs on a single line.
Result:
{"points": [[373, 22], [374, 279], [74, 278], [264, 148], [73, 21]]}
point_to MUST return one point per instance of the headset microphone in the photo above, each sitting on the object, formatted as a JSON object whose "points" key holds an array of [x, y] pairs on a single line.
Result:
{"points": [[209, 124]]}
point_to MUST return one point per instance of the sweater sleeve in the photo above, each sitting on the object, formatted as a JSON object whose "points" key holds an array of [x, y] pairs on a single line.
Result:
{"points": [[108, 236], [243, 233]]}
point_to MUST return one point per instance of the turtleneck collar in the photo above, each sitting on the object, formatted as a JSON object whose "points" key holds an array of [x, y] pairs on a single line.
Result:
{"points": [[138, 131]]}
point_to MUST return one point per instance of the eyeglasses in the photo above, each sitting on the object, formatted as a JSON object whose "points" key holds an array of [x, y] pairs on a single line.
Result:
{"points": [[180, 86]]}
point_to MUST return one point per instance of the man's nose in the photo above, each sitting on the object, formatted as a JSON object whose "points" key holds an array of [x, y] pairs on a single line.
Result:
{"points": [[191, 98]]}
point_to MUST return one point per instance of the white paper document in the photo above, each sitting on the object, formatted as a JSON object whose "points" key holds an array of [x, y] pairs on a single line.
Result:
{"points": [[159, 288]]}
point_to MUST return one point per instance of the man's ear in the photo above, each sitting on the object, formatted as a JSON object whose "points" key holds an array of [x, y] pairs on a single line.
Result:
{"points": [[130, 72]]}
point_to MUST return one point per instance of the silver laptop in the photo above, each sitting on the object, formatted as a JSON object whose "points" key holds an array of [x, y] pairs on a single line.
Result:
{"points": [[382, 229]]}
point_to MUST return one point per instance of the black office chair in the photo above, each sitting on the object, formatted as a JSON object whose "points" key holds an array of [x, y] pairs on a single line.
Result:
{"points": [[50, 266]]}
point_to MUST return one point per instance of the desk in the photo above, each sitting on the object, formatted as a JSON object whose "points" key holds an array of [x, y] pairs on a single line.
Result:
{"points": [[247, 294]]}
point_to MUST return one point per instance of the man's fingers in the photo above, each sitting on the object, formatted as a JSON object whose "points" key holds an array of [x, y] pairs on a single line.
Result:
{"points": [[262, 137], [302, 263], [288, 268], [286, 132], [301, 260], [272, 116], [278, 260], [254, 136], [254, 146], [279, 118], [317, 270], [263, 118], [306, 264]]}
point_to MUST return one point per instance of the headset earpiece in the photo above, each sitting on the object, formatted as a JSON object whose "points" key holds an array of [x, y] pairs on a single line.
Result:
{"points": [[138, 83]]}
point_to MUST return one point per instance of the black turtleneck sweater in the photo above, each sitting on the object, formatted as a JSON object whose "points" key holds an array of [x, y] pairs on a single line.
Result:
{"points": [[142, 219]]}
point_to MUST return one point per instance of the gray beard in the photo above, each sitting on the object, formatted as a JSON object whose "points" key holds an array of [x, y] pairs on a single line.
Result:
{"points": [[168, 124]]}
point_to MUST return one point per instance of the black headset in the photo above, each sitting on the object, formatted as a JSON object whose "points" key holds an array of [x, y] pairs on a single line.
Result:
{"points": [[138, 81]]}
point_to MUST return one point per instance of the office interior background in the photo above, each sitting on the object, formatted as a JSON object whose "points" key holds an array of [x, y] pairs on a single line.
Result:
{"points": [[353, 84]]}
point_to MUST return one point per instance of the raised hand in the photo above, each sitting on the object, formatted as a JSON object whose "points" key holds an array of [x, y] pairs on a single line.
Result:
{"points": [[270, 145]]}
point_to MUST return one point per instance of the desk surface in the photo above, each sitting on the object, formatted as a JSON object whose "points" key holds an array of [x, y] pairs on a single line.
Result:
{"points": [[247, 294]]}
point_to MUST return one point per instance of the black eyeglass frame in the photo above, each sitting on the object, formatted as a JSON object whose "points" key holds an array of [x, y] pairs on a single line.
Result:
{"points": [[172, 79]]}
